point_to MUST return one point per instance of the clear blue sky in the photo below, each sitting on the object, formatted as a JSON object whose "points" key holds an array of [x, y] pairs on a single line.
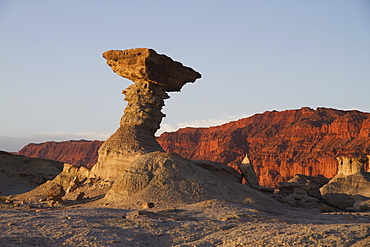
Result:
{"points": [[253, 56]]}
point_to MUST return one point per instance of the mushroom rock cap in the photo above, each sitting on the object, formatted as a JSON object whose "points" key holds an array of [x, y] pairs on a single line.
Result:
{"points": [[142, 64]]}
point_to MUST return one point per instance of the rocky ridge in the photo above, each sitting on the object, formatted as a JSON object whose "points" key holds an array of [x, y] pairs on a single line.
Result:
{"points": [[280, 144], [20, 174], [79, 153]]}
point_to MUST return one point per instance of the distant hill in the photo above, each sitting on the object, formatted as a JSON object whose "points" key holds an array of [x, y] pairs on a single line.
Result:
{"points": [[279, 144], [19, 174], [81, 153]]}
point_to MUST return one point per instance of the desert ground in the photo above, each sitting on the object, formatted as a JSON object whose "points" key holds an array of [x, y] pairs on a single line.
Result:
{"points": [[206, 223]]}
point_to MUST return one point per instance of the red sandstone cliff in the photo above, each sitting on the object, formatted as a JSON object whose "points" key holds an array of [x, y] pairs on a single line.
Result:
{"points": [[279, 144], [81, 153]]}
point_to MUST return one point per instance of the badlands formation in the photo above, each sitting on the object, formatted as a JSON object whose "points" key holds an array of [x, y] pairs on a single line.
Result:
{"points": [[279, 144], [139, 195], [132, 168]]}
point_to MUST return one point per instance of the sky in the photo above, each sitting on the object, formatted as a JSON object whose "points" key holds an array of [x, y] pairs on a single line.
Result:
{"points": [[254, 56]]}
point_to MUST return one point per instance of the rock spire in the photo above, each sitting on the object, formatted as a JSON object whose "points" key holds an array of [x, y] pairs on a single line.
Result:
{"points": [[153, 75]]}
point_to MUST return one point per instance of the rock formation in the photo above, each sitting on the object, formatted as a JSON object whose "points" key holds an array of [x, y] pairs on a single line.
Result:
{"points": [[314, 182], [300, 191], [248, 172], [132, 169], [19, 174], [168, 179], [339, 201], [279, 144], [351, 178], [79, 153], [300, 198], [153, 75]]}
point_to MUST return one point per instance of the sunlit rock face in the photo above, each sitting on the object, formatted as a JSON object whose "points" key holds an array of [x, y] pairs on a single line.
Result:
{"points": [[279, 144], [351, 179], [153, 75]]}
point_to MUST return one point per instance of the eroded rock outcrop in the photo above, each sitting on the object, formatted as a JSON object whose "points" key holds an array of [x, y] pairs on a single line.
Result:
{"points": [[351, 179], [339, 200], [75, 152], [153, 75], [248, 172], [279, 144], [168, 179], [300, 191], [132, 165], [19, 174]]}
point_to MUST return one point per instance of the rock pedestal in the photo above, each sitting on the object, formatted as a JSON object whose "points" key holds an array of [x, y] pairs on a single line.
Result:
{"points": [[153, 75]]}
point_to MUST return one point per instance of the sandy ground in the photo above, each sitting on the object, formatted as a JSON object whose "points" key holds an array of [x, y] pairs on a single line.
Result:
{"points": [[207, 223]]}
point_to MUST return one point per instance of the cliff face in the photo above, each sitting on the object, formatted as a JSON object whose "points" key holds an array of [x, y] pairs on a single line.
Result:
{"points": [[81, 153], [279, 144]]}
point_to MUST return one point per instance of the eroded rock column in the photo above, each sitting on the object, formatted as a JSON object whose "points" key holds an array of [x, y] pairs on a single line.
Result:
{"points": [[153, 75]]}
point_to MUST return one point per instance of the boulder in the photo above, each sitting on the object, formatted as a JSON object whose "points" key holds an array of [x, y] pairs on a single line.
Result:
{"points": [[289, 187], [55, 192], [299, 198], [339, 200], [146, 205], [72, 176], [80, 196], [314, 182]]}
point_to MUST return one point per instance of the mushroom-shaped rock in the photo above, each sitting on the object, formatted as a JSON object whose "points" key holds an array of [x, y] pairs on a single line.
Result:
{"points": [[153, 75], [144, 64]]}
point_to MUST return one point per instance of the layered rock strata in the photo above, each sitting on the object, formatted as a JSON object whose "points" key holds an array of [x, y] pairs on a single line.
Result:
{"points": [[78, 153], [153, 75], [351, 179], [279, 144], [168, 179]]}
